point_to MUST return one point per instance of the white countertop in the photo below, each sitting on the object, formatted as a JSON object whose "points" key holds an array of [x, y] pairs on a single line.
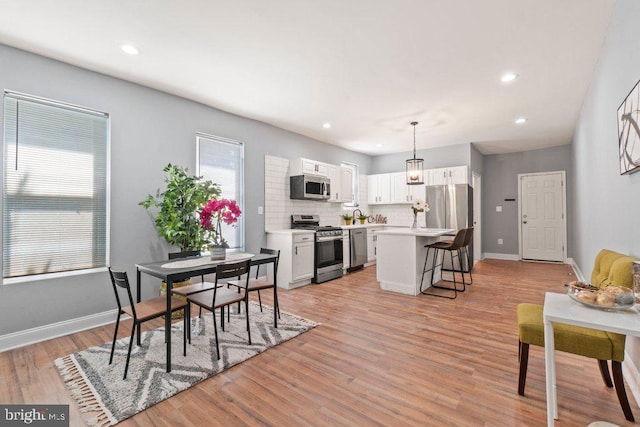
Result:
{"points": [[366, 225], [427, 232]]}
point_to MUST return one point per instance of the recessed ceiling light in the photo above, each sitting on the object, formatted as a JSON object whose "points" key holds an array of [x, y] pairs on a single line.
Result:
{"points": [[130, 49], [326, 125], [508, 77], [378, 145], [521, 120]]}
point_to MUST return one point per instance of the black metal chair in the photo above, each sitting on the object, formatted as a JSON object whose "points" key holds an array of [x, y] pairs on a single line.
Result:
{"points": [[220, 297], [142, 312], [194, 288], [454, 248], [257, 284]]}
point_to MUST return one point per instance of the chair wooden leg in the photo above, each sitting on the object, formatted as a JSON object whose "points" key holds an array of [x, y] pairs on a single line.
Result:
{"points": [[604, 371], [616, 368], [115, 335], [524, 360]]}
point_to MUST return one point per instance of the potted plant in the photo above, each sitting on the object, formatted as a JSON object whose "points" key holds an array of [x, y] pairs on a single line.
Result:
{"points": [[362, 218], [211, 217], [177, 219], [347, 218]]}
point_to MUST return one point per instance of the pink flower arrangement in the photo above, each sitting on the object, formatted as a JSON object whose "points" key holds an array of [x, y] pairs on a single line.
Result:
{"points": [[218, 211]]}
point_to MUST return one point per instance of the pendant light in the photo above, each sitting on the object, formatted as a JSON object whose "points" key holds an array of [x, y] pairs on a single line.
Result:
{"points": [[414, 166]]}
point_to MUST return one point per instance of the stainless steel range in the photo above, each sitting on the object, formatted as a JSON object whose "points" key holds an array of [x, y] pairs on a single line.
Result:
{"points": [[328, 247]]}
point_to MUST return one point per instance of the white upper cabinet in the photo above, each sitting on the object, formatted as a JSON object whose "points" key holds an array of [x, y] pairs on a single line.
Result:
{"points": [[379, 191], [401, 192], [341, 183], [308, 167], [446, 176]]}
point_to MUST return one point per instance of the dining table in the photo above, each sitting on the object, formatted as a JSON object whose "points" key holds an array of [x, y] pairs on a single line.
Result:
{"points": [[172, 271], [560, 308]]}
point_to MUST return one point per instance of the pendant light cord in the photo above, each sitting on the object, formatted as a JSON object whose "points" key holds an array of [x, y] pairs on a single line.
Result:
{"points": [[414, 139]]}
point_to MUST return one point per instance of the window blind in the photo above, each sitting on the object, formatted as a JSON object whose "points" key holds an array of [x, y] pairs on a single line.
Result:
{"points": [[55, 187], [221, 160]]}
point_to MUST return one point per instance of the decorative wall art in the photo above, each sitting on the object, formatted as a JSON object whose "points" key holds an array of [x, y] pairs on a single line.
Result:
{"points": [[629, 132]]}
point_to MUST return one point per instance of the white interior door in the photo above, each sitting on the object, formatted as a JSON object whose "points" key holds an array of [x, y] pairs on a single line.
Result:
{"points": [[542, 216]]}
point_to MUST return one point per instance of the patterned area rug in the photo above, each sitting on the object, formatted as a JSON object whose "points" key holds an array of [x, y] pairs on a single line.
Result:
{"points": [[104, 398]]}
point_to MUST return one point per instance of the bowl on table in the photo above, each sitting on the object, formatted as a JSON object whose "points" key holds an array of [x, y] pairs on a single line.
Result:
{"points": [[609, 298]]}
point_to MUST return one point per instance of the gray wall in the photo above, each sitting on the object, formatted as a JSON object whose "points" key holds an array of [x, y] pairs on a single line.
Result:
{"points": [[440, 157], [607, 204], [148, 130], [500, 181]]}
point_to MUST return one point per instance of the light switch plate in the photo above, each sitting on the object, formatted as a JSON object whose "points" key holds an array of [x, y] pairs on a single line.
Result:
{"points": [[498, 208], [260, 210]]}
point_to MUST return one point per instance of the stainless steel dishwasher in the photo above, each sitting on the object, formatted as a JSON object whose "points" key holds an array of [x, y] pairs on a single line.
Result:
{"points": [[357, 248]]}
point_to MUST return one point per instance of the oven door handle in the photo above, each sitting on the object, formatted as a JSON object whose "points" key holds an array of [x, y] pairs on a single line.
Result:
{"points": [[328, 239]]}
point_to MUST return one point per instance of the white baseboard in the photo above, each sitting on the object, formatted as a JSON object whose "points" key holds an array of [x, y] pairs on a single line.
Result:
{"points": [[510, 257], [54, 330], [579, 275]]}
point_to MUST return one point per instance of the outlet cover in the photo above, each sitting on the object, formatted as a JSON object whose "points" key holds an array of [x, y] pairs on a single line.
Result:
{"points": [[500, 241]]}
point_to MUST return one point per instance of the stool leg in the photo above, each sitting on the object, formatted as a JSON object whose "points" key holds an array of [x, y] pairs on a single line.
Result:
{"points": [[424, 268]]}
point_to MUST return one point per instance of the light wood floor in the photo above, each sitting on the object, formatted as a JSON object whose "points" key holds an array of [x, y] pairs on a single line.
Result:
{"points": [[378, 358]]}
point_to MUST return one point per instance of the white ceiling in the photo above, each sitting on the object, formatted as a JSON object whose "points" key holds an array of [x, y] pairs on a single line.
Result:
{"points": [[369, 67]]}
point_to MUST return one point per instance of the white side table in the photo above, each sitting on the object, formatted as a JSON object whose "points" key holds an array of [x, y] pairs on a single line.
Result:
{"points": [[559, 308]]}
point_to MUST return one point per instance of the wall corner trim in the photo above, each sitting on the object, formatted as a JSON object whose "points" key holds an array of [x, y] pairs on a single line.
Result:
{"points": [[55, 330]]}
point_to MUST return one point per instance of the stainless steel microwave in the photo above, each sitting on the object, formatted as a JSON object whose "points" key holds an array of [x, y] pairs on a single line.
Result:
{"points": [[309, 187]]}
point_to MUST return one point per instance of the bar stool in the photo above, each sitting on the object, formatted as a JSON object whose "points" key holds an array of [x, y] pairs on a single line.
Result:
{"points": [[454, 248], [468, 237]]}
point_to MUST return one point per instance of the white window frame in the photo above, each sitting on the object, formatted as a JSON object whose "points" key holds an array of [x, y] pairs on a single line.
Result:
{"points": [[240, 201], [69, 273]]}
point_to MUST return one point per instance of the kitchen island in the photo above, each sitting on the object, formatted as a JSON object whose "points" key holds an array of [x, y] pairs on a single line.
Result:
{"points": [[401, 255]]}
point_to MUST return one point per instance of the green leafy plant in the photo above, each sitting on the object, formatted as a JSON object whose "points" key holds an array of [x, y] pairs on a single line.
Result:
{"points": [[363, 217], [347, 217], [178, 206]]}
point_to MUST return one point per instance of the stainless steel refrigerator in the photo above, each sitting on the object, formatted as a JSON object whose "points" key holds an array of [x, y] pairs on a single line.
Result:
{"points": [[450, 206]]}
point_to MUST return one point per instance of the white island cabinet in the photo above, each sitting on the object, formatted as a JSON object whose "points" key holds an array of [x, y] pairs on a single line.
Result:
{"points": [[401, 255], [296, 265]]}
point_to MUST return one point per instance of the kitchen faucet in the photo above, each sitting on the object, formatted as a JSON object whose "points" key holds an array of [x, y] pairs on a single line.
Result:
{"points": [[353, 215]]}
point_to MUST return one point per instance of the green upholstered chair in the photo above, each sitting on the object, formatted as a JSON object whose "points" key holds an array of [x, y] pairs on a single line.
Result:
{"points": [[611, 268]]}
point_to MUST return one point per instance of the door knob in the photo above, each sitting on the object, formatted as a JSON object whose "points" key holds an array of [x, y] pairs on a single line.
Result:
{"points": [[524, 222]]}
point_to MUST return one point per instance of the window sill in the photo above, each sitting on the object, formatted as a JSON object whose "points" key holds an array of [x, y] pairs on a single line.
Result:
{"points": [[50, 276]]}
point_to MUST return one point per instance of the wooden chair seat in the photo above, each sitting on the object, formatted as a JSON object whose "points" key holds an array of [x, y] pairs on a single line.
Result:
{"points": [[224, 297], [254, 284], [156, 307], [195, 288]]}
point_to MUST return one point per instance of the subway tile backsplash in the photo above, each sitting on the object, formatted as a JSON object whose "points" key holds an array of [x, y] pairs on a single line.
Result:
{"points": [[279, 207]]}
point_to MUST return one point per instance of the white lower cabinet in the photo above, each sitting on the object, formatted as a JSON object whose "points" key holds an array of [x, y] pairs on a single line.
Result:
{"points": [[296, 265], [372, 242], [346, 251]]}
